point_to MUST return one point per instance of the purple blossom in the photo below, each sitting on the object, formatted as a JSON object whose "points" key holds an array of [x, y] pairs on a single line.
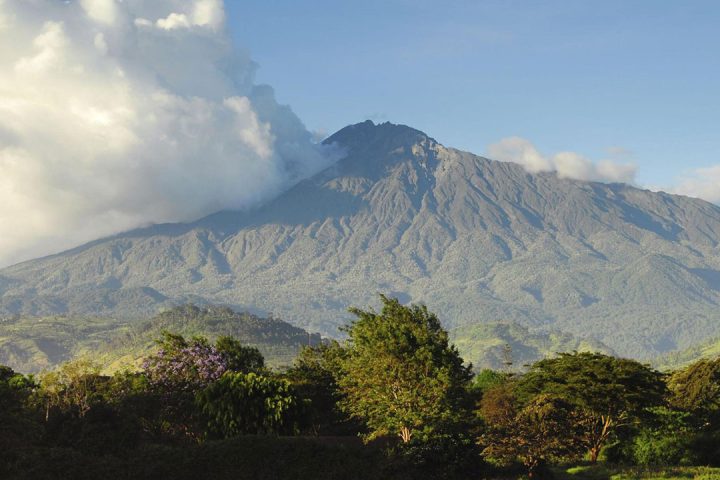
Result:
{"points": [[188, 368]]}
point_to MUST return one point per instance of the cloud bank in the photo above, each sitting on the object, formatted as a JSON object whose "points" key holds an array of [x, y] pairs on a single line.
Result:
{"points": [[700, 183], [115, 114], [566, 164]]}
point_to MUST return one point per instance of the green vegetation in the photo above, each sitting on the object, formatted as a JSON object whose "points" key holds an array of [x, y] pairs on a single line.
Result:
{"points": [[683, 358], [36, 344], [394, 401], [400, 375]]}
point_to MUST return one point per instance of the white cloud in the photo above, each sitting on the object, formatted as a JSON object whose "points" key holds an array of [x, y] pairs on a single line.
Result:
{"points": [[700, 183], [566, 164], [111, 119]]}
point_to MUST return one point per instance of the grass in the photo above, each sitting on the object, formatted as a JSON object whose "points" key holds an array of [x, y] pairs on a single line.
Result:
{"points": [[602, 472]]}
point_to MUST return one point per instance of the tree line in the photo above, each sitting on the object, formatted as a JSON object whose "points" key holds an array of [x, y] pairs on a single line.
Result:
{"points": [[396, 382]]}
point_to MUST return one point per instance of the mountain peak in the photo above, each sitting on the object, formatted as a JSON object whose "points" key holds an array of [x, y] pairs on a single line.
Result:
{"points": [[368, 135], [371, 147]]}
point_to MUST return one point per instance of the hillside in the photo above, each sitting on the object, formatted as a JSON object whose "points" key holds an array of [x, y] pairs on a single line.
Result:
{"points": [[485, 345], [34, 344], [682, 358], [478, 241]]}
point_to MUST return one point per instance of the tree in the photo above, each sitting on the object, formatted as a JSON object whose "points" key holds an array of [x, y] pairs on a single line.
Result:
{"points": [[238, 357], [17, 424], [182, 365], [72, 388], [696, 390], [314, 376], [400, 375], [612, 392], [546, 429], [247, 403]]}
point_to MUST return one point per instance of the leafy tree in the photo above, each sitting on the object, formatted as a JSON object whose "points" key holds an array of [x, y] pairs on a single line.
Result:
{"points": [[612, 392], [16, 422], [665, 440], [546, 429], [401, 376], [247, 403], [314, 376], [72, 388], [238, 357], [182, 365], [696, 389]]}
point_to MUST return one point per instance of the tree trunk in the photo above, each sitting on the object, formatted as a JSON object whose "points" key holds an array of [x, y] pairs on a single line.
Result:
{"points": [[405, 434], [604, 434]]}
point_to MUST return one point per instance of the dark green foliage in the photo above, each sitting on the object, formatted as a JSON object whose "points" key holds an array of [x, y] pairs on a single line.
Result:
{"points": [[666, 440], [545, 429], [238, 357], [612, 392], [400, 375], [247, 403], [188, 414], [696, 389], [314, 377]]}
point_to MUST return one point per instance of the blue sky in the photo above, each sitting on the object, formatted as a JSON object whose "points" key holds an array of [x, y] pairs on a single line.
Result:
{"points": [[566, 75]]}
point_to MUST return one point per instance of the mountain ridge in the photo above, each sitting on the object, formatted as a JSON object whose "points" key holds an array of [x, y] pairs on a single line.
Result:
{"points": [[478, 241]]}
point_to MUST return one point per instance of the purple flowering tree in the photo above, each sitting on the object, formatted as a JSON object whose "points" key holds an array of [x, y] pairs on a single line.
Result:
{"points": [[177, 372], [184, 366]]}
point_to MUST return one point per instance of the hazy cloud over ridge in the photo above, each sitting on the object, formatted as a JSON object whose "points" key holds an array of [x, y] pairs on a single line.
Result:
{"points": [[566, 164], [700, 183], [117, 114]]}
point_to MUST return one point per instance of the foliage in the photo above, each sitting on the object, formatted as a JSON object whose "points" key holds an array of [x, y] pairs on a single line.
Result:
{"points": [[696, 389], [612, 392], [238, 357], [400, 375], [487, 379], [247, 403], [181, 365], [547, 428], [32, 344], [665, 441], [314, 377], [72, 388]]}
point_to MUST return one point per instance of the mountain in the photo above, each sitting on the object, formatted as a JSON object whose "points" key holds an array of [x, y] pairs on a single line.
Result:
{"points": [[478, 241], [35, 344]]}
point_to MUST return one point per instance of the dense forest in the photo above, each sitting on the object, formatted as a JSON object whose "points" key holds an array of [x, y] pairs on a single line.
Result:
{"points": [[394, 400]]}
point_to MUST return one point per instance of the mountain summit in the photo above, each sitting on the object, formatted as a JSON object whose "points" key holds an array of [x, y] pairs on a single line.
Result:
{"points": [[478, 241]]}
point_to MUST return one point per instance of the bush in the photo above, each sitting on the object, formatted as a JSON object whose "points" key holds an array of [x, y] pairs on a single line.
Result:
{"points": [[652, 448]]}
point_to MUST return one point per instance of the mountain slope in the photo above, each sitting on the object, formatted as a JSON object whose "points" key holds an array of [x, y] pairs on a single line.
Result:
{"points": [[478, 241]]}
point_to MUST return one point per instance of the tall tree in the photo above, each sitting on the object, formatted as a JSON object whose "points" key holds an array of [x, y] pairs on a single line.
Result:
{"points": [[400, 375], [314, 376], [612, 392], [696, 389], [546, 429]]}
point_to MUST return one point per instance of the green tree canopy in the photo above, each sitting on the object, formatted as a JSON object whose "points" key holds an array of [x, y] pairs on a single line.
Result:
{"points": [[696, 389], [240, 358], [612, 392], [314, 376], [247, 403], [400, 375], [546, 429]]}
